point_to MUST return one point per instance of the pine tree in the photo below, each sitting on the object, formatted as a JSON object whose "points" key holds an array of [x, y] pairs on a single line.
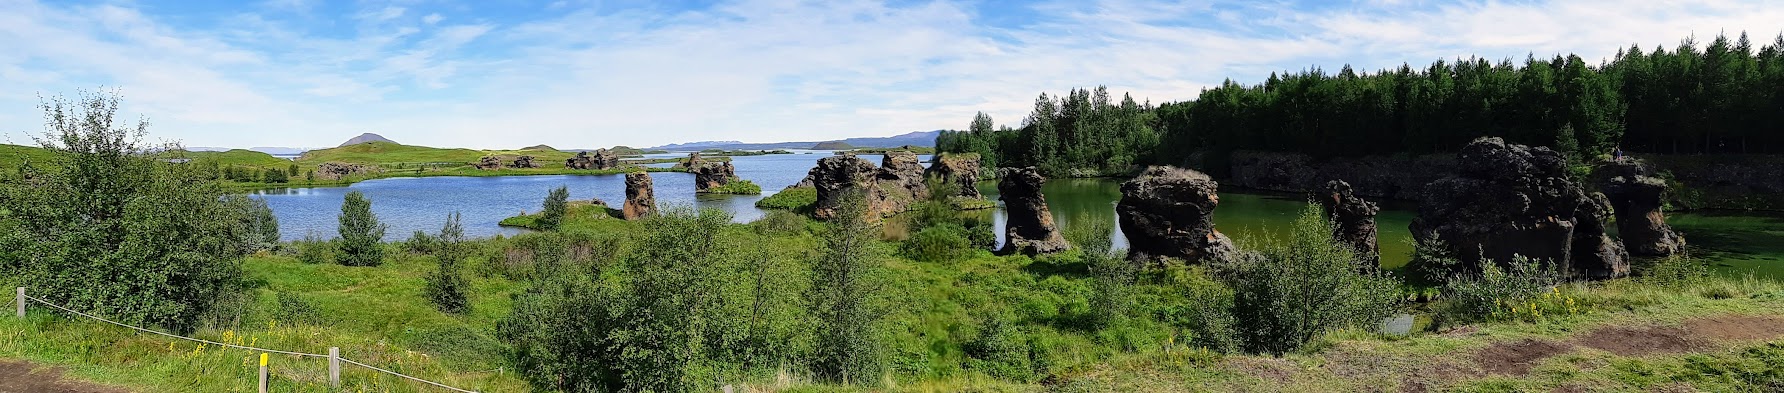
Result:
{"points": [[362, 236]]}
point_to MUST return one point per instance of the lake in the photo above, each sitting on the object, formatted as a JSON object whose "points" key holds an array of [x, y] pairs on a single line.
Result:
{"points": [[1733, 241]]}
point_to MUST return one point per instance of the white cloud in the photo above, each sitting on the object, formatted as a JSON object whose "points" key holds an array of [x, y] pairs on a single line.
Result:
{"points": [[751, 69]]}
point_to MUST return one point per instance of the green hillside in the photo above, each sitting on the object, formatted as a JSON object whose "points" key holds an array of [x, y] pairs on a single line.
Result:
{"points": [[11, 156], [237, 157]]}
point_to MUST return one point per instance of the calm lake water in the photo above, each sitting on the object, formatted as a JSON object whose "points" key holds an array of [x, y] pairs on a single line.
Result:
{"points": [[1736, 242]]}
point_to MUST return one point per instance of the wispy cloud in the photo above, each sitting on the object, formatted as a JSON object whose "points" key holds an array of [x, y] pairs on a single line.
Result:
{"points": [[302, 73]]}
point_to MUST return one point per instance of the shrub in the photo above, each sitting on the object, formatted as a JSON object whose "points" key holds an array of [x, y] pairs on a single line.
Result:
{"points": [[1292, 290], [844, 289], [275, 176], [1206, 309], [108, 229], [313, 249], [422, 243], [1001, 350], [1675, 271], [362, 236], [294, 309], [737, 187], [446, 286], [555, 206], [937, 244], [260, 228], [1496, 292], [797, 199], [780, 223]]}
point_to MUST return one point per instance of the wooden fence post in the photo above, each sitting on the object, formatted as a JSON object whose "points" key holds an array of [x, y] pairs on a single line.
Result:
{"points": [[263, 372], [334, 367], [21, 302]]}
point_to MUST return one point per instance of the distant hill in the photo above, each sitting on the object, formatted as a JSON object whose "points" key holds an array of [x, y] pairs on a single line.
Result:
{"points": [[832, 145], [281, 151], [366, 137], [540, 148], [919, 138]]}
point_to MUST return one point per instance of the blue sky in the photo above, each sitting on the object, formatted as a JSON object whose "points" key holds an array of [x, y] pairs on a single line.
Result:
{"points": [[584, 74]]}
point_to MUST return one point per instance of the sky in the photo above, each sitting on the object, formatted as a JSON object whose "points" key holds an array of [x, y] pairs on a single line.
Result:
{"points": [[498, 74]]}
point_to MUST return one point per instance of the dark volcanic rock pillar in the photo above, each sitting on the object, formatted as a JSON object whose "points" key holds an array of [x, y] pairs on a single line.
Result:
{"points": [[641, 199], [1507, 199], [836, 175], [960, 169], [1637, 199], [1168, 212], [900, 179], [1030, 228], [713, 175], [1353, 220]]}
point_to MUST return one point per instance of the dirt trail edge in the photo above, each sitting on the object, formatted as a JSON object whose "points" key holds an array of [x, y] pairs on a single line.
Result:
{"points": [[24, 377]]}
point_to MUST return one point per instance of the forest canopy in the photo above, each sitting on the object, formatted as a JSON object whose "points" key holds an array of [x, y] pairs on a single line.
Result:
{"points": [[1723, 97]]}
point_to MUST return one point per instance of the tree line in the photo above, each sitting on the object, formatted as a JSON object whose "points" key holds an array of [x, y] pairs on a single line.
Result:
{"points": [[1726, 97]]}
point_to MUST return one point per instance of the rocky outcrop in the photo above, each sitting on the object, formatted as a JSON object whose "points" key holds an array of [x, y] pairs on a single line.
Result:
{"points": [[900, 179], [962, 170], [1030, 229], [488, 163], [524, 162], [692, 163], [1636, 197], [601, 159], [1353, 220], [886, 191], [1168, 212], [337, 170], [1507, 199], [1723, 181], [1396, 177], [641, 198], [713, 175], [836, 176]]}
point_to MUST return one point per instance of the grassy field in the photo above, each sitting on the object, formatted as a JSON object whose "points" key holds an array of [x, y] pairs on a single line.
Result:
{"points": [[1710, 333]]}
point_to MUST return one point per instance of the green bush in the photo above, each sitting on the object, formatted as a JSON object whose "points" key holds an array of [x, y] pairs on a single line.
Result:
{"points": [[797, 199], [1674, 271], [362, 236], [845, 298], [1001, 350], [938, 244], [737, 187], [260, 228], [312, 249], [681, 308], [555, 206], [446, 287], [422, 243], [107, 228], [1492, 291], [1206, 309], [275, 176], [293, 309], [1292, 290], [780, 223]]}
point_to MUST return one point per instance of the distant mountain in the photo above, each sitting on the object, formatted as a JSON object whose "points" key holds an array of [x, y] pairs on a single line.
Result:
{"points": [[832, 145], [919, 138], [539, 147], [367, 137]]}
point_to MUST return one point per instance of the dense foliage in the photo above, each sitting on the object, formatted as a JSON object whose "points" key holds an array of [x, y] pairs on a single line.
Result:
{"points": [[1723, 97], [551, 213], [1289, 291], [847, 275], [362, 236], [446, 287], [681, 309], [109, 229]]}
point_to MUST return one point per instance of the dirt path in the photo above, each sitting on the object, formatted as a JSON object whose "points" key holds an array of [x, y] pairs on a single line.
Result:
{"points": [[1515, 358], [24, 377]]}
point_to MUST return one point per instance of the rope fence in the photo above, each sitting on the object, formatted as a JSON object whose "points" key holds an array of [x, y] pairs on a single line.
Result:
{"points": [[334, 378]]}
